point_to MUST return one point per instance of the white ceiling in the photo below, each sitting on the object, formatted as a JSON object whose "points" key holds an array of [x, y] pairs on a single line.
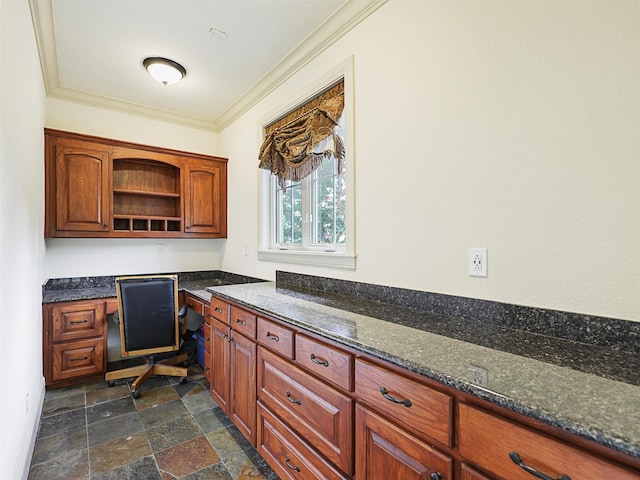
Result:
{"points": [[234, 51]]}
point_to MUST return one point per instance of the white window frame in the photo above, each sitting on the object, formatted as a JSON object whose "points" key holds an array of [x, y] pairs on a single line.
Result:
{"points": [[345, 257]]}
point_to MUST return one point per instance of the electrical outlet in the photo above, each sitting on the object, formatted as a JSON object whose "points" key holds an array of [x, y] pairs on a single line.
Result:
{"points": [[159, 249], [478, 262], [478, 376]]}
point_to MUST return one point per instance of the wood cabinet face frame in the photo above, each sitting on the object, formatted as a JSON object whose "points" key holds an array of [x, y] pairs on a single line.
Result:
{"points": [[97, 187], [74, 340]]}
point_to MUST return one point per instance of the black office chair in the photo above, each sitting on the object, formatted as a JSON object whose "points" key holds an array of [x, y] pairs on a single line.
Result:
{"points": [[149, 320]]}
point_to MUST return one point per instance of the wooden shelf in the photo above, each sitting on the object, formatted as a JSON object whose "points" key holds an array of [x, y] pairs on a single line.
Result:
{"points": [[125, 191], [141, 223]]}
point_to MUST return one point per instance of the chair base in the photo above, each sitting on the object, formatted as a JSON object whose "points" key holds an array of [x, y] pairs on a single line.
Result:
{"points": [[150, 367]]}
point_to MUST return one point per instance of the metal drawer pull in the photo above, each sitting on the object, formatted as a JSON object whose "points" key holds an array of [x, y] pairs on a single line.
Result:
{"points": [[76, 322], [515, 458], [297, 402], [291, 467], [78, 359], [406, 402], [241, 322], [317, 361], [435, 476], [218, 309], [273, 337]]}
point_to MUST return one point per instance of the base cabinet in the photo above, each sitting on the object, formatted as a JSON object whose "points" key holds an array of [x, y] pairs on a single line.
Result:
{"points": [[74, 340], [315, 409], [233, 376]]}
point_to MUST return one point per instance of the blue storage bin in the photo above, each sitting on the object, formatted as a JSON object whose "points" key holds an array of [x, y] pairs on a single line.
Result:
{"points": [[199, 347]]}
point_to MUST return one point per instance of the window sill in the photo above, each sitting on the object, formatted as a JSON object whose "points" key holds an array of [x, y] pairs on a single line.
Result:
{"points": [[341, 260]]}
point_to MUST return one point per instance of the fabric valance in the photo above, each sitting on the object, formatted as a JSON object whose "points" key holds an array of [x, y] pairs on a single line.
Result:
{"points": [[289, 150]]}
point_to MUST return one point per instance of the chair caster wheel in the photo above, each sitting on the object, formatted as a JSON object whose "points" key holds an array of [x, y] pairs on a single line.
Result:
{"points": [[182, 380], [135, 394], [111, 383]]}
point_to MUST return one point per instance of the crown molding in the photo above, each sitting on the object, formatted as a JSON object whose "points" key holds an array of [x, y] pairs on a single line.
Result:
{"points": [[343, 20]]}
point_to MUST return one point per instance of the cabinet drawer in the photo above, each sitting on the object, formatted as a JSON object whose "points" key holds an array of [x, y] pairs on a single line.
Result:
{"points": [[243, 322], [275, 336], [318, 413], [78, 320], [326, 361], [423, 410], [79, 358], [487, 441], [195, 304], [288, 454], [219, 310]]}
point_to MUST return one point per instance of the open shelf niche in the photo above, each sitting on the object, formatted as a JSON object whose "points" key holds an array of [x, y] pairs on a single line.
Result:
{"points": [[146, 196]]}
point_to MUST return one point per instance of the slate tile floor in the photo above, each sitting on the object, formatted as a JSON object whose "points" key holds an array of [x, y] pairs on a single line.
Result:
{"points": [[173, 431]]}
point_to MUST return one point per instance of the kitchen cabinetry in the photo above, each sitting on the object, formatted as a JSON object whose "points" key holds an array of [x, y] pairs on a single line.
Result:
{"points": [[233, 373], [324, 410], [74, 340], [97, 187]]}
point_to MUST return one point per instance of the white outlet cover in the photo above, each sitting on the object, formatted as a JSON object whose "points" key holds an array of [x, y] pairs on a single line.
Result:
{"points": [[478, 262]]}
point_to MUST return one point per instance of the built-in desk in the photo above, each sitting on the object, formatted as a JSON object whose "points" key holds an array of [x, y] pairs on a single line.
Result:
{"points": [[80, 337]]}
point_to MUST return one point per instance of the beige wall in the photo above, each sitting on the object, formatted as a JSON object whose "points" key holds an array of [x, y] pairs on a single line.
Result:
{"points": [[508, 125], [21, 242]]}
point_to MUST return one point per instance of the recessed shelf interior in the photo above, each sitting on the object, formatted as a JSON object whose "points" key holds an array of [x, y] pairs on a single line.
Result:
{"points": [[146, 196]]}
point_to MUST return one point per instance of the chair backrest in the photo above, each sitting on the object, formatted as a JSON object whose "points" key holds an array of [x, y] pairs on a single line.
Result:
{"points": [[148, 310]]}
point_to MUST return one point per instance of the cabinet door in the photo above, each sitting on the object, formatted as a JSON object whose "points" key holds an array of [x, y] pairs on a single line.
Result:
{"points": [[206, 205], [82, 188], [384, 451], [220, 364], [242, 375]]}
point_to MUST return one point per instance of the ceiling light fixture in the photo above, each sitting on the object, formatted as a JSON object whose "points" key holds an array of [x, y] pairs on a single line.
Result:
{"points": [[164, 70]]}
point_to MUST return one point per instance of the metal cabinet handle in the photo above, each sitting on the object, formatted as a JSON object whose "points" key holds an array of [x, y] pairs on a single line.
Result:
{"points": [[218, 309], [515, 458], [406, 402], [273, 337], [78, 359], [241, 322], [291, 467], [435, 476], [297, 402], [78, 322], [317, 361]]}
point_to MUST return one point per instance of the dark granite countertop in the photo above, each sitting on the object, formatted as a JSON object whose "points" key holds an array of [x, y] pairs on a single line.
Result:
{"points": [[588, 390], [87, 288]]}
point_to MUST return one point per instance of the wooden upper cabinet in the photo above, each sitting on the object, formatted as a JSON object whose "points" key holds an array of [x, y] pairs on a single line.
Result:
{"points": [[78, 199], [206, 198], [97, 187]]}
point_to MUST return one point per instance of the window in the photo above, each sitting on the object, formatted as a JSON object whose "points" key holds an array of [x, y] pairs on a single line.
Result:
{"points": [[310, 213], [307, 215]]}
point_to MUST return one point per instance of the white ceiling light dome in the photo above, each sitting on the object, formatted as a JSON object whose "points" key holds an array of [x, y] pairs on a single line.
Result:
{"points": [[164, 70]]}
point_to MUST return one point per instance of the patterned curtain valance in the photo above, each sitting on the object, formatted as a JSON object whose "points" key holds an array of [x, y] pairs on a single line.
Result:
{"points": [[288, 150]]}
